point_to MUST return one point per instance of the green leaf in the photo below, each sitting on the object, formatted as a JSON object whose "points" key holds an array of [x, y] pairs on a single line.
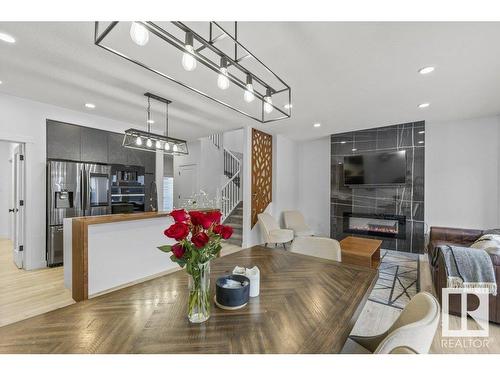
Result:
{"points": [[165, 248]]}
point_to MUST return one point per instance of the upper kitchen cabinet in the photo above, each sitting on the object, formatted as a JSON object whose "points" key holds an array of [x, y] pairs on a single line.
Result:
{"points": [[117, 154], [94, 145], [63, 141], [144, 158]]}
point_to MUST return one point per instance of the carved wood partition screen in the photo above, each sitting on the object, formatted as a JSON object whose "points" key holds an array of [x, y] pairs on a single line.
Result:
{"points": [[262, 172]]}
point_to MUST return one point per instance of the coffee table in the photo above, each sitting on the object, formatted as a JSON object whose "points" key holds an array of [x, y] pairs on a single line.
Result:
{"points": [[361, 251]]}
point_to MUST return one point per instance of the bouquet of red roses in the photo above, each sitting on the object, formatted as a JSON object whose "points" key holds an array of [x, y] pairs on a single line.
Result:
{"points": [[198, 235]]}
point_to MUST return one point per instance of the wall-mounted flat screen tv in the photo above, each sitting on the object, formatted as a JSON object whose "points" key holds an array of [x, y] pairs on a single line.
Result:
{"points": [[381, 168]]}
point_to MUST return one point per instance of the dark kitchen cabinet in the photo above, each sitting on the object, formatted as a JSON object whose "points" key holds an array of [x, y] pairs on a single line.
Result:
{"points": [[144, 158], [117, 154], [94, 145], [63, 141]]}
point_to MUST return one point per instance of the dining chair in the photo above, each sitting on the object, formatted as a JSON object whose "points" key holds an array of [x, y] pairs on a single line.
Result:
{"points": [[320, 247], [295, 221], [413, 331], [272, 232]]}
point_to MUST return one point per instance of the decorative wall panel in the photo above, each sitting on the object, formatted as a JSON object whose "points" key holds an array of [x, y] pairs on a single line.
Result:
{"points": [[406, 200], [262, 172]]}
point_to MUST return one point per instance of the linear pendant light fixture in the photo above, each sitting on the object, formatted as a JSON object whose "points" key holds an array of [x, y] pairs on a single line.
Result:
{"points": [[235, 76], [148, 141]]}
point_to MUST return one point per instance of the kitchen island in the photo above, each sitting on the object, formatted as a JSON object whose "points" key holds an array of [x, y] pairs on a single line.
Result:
{"points": [[104, 253]]}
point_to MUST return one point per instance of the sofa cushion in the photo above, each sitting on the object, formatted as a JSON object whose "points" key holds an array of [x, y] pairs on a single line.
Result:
{"points": [[491, 244]]}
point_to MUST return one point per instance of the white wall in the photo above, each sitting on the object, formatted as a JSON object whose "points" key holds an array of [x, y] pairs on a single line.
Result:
{"points": [[314, 184], [233, 140], [24, 120], [462, 173], [286, 176], [5, 188]]}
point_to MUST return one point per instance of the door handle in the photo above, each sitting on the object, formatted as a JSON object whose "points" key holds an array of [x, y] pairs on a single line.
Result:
{"points": [[13, 209]]}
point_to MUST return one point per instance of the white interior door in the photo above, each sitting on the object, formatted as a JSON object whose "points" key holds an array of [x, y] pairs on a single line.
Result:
{"points": [[187, 183], [18, 205]]}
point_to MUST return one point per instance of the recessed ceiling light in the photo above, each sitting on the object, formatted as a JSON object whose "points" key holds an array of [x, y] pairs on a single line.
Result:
{"points": [[151, 121], [343, 142], [286, 106], [424, 105], [7, 38], [421, 132], [317, 125], [426, 70], [90, 105], [1, 82], [354, 149], [420, 142]]}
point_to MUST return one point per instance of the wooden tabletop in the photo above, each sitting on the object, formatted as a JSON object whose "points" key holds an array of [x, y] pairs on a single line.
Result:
{"points": [[306, 305], [360, 245]]}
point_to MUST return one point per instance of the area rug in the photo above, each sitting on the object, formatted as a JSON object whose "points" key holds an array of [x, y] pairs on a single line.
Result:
{"points": [[398, 279]]}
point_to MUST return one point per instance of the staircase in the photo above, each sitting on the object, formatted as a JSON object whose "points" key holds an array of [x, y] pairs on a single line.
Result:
{"points": [[231, 203], [235, 220], [230, 192]]}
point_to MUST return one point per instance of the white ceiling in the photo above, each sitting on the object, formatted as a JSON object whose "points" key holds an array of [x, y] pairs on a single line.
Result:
{"points": [[344, 75]]}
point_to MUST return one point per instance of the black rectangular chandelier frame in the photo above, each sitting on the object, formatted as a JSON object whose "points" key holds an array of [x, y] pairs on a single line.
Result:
{"points": [[176, 146], [99, 37]]}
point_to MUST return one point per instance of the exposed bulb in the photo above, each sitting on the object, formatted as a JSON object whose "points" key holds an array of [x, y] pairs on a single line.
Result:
{"points": [[188, 60], [139, 34], [249, 96], [149, 143], [138, 141], [223, 79], [167, 146], [268, 104], [158, 144], [174, 148]]}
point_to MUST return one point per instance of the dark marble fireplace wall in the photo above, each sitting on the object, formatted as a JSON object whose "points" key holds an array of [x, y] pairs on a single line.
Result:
{"points": [[405, 200]]}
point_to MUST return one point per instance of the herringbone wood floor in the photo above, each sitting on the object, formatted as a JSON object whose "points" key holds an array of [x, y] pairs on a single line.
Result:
{"points": [[306, 305]]}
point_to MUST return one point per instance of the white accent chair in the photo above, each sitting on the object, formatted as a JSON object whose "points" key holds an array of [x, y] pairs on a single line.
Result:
{"points": [[295, 221], [320, 247], [413, 331], [272, 232]]}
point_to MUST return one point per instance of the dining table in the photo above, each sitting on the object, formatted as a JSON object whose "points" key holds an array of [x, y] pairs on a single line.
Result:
{"points": [[306, 305]]}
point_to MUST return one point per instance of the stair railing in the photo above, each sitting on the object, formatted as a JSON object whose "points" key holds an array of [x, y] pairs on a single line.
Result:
{"points": [[216, 139], [230, 192]]}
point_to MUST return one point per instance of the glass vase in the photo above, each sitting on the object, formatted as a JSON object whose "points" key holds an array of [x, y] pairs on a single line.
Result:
{"points": [[199, 293]]}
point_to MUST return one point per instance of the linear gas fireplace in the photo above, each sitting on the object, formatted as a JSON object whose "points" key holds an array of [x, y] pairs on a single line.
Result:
{"points": [[383, 225]]}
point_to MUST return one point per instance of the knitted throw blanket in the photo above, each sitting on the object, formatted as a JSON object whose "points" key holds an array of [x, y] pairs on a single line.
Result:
{"points": [[467, 268]]}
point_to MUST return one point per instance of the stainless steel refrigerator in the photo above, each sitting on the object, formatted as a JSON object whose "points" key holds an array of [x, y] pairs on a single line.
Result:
{"points": [[73, 189]]}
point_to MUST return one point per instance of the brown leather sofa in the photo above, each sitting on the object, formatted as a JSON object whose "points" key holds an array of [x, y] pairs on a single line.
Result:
{"points": [[465, 238]]}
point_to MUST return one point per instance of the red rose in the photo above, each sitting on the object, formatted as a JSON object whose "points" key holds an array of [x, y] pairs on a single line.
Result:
{"points": [[200, 239], [226, 232], [179, 215], [178, 250], [178, 231], [214, 216], [200, 218]]}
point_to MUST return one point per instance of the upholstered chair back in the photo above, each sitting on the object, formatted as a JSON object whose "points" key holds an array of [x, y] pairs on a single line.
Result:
{"points": [[320, 247], [267, 224], [293, 219], [416, 326]]}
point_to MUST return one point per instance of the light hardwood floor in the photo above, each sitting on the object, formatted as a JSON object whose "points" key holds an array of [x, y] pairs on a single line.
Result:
{"points": [[24, 294], [376, 318]]}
